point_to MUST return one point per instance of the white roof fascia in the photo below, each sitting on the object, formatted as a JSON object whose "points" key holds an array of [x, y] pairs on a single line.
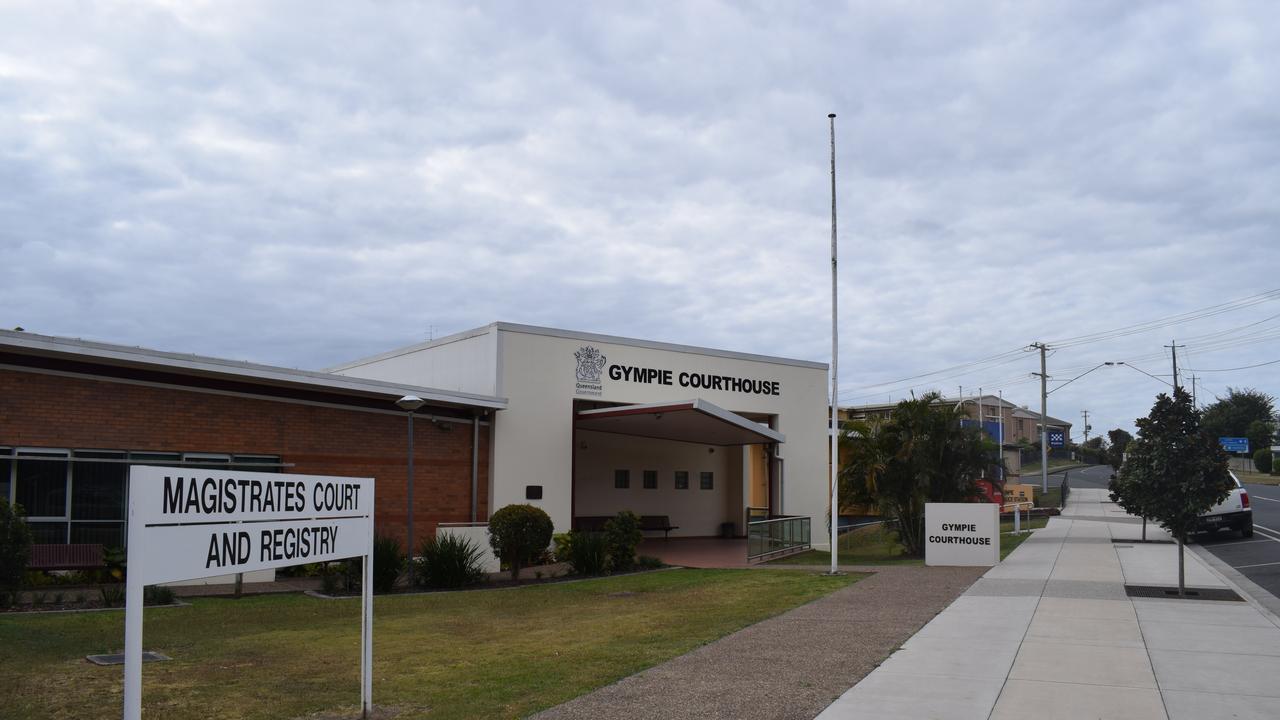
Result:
{"points": [[233, 369]]}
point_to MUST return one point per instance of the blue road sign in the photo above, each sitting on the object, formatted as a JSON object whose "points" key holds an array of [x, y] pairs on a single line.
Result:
{"points": [[1057, 438], [1235, 444]]}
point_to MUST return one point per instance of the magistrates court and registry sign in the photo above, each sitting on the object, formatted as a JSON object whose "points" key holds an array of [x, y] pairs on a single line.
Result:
{"points": [[188, 523]]}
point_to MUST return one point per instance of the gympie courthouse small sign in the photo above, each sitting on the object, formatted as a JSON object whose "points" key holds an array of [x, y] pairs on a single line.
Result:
{"points": [[964, 534], [187, 523]]}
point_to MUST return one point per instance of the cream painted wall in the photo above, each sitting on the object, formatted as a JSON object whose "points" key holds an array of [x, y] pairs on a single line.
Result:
{"points": [[697, 512], [462, 363], [533, 435]]}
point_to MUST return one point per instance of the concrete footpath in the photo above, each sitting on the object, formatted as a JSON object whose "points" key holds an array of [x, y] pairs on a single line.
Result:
{"points": [[1051, 633]]}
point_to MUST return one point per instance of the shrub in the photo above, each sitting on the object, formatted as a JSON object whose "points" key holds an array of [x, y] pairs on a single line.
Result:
{"points": [[1262, 460], [15, 546], [448, 561], [588, 553], [388, 562], [518, 534], [563, 546], [648, 562], [157, 595], [622, 533]]}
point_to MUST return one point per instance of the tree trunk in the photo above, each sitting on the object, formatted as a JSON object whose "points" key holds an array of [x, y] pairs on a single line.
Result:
{"points": [[1182, 587], [1144, 528]]}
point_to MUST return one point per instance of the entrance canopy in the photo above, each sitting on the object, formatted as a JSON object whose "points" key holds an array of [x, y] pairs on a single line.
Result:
{"points": [[695, 421]]}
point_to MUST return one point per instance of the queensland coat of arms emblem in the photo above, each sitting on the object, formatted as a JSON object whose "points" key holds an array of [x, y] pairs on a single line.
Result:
{"points": [[590, 364]]}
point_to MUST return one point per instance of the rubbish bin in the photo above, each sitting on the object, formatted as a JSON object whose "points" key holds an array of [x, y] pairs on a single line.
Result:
{"points": [[726, 530]]}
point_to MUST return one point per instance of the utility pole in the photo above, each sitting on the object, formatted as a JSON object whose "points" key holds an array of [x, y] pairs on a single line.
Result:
{"points": [[981, 427], [1193, 391], [1044, 414], [1173, 345], [1001, 439], [1085, 413], [835, 375]]}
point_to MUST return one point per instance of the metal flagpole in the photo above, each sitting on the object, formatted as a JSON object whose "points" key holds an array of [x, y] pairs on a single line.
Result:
{"points": [[835, 374]]}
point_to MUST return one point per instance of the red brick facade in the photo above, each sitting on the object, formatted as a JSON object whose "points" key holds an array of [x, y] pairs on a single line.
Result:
{"points": [[43, 410]]}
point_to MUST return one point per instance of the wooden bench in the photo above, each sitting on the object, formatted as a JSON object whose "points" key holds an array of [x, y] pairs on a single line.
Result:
{"points": [[80, 556], [657, 522]]}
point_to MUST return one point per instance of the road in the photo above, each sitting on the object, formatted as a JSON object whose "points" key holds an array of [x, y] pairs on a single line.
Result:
{"points": [[1257, 558]]}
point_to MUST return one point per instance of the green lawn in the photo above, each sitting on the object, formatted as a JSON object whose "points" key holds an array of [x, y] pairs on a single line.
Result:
{"points": [[1247, 476], [873, 545], [497, 653]]}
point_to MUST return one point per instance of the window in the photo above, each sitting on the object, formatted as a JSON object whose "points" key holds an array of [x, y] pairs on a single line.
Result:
{"points": [[208, 461], [682, 479], [650, 479], [41, 483], [621, 479], [98, 497], [706, 480]]}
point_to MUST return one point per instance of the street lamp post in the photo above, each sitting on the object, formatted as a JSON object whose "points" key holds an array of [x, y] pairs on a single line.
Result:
{"points": [[409, 403]]}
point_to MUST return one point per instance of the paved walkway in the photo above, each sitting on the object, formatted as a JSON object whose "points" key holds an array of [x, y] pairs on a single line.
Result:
{"points": [[1050, 633], [790, 666]]}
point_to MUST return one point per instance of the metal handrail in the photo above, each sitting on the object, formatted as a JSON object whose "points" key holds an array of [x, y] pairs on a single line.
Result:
{"points": [[778, 535], [1017, 526]]}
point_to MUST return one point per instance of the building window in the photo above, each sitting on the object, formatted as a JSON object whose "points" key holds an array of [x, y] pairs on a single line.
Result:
{"points": [[6, 467], [650, 479], [682, 479], [98, 497], [706, 480], [40, 480], [621, 479]]}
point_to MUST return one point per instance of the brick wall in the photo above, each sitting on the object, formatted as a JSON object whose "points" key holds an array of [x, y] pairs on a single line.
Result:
{"points": [[40, 410]]}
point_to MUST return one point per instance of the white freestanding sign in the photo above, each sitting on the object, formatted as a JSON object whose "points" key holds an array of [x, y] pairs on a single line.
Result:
{"points": [[187, 523], [961, 534]]}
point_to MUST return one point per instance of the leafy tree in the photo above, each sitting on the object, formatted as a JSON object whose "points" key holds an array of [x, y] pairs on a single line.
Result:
{"points": [[1093, 451], [519, 534], [1231, 416], [1120, 440], [1262, 460], [1175, 470], [920, 454], [1260, 434], [15, 546]]}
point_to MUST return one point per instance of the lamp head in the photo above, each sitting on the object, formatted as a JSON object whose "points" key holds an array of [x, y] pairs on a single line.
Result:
{"points": [[410, 402]]}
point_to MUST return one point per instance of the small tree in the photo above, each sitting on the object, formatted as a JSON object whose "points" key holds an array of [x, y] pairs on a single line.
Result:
{"points": [[15, 546], [1120, 440], [1178, 470], [623, 535], [518, 534], [1262, 460]]}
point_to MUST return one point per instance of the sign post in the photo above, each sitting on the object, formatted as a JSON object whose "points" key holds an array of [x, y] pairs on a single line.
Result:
{"points": [[186, 523]]}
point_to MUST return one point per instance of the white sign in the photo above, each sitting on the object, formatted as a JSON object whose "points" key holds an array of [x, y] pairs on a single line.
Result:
{"points": [[187, 523], [966, 534]]}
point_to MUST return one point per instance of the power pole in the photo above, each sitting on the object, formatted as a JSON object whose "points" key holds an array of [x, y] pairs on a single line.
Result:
{"points": [[1193, 391], [1173, 345], [1085, 413], [1044, 415]]}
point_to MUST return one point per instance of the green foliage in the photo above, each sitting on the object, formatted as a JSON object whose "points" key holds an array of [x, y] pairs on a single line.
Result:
{"points": [[1260, 434], [649, 562], [1094, 451], [1175, 470], [563, 543], [1262, 460], [1120, 440], [448, 561], [15, 546], [588, 553], [519, 534], [112, 595], [158, 595], [623, 535], [920, 454], [388, 563], [1232, 416]]}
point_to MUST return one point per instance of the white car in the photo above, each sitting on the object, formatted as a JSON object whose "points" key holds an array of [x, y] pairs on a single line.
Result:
{"points": [[1234, 513]]}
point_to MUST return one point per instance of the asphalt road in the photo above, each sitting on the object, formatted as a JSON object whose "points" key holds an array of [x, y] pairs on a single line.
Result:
{"points": [[1257, 558]]}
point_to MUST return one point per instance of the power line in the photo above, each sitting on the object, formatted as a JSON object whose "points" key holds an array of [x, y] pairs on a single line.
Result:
{"points": [[1178, 319], [1246, 367]]}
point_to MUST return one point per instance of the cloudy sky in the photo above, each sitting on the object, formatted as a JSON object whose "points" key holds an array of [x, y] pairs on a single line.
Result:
{"points": [[302, 184]]}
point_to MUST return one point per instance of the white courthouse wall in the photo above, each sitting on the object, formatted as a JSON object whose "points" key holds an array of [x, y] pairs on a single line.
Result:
{"points": [[695, 511], [479, 536], [533, 436], [466, 362]]}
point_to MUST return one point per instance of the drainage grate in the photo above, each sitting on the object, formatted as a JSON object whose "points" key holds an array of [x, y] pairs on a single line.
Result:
{"points": [[1165, 592], [147, 656]]}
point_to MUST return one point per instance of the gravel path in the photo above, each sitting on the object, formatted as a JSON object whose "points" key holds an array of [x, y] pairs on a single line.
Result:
{"points": [[789, 666]]}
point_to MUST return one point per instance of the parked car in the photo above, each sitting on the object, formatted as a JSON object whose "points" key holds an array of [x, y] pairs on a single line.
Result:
{"points": [[1234, 513]]}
